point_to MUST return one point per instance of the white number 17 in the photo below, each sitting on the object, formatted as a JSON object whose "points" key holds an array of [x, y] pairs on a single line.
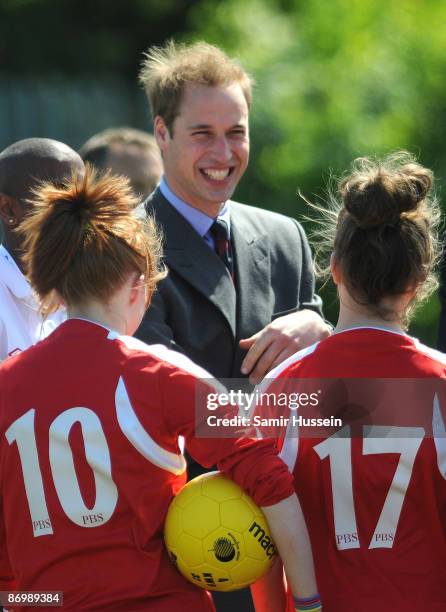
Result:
{"points": [[377, 440]]}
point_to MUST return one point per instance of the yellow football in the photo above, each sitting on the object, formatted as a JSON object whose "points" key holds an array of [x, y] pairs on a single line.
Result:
{"points": [[217, 536]]}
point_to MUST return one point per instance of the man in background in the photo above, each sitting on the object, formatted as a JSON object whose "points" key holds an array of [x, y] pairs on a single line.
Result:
{"points": [[22, 166], [239, 297], [129, 152]]}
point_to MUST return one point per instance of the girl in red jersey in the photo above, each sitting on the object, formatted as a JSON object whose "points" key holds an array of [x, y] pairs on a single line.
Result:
{"points": [[90, 420], [373, 488]]}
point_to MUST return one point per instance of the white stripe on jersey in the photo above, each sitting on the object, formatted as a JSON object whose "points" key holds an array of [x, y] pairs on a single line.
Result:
{"points": [[169, 356], [439, 433], [290, 450], [139, 438], [430, 352], [438, 424], [290, 447], [262, 387], [275, 372]]}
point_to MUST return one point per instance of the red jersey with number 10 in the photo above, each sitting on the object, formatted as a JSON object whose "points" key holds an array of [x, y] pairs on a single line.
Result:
{"points": [[89, 462], [374, 495]]}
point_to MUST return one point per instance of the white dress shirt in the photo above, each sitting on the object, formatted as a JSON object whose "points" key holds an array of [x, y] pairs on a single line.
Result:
{"points": [[21, 323]]}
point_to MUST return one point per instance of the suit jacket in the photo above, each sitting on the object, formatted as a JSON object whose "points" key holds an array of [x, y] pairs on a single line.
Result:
{"points": [[198, 310]]}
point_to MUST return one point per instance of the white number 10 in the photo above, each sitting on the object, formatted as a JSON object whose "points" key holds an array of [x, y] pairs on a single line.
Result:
{"points": [[402, 440], [97, 454]]}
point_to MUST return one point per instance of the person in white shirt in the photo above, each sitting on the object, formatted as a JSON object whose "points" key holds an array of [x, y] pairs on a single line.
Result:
{"points": [[23, 165]]}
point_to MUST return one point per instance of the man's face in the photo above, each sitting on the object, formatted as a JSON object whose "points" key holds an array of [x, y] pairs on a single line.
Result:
{"points": [[207, 151]]}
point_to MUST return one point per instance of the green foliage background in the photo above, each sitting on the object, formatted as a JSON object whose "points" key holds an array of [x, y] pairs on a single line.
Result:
{"points": [[336, 79]]}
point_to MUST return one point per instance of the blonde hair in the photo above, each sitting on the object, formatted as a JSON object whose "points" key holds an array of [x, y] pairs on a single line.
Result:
{"points": [[382, 228], [82, 240], [166, 70]]}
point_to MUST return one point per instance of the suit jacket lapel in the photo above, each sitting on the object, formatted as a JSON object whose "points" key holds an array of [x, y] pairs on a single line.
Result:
{"points": [[252, 271], [186, 252]]}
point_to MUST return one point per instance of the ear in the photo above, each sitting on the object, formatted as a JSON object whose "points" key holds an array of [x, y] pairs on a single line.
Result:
{"points": [[136, 285], [335, 269], [11, 212], [133, 294], [411, 293], [161, 133]]}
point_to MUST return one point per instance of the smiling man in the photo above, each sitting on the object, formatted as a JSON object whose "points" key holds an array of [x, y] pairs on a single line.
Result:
{"points": [[239, 297], [206, 150]]}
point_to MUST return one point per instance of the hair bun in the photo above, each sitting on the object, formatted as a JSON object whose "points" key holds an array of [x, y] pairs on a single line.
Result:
{"points": [[375, 195], [419, 180]]}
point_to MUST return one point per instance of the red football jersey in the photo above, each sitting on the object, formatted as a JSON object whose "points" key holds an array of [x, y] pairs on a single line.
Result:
{"points": [[89, 462], [374, 492]]}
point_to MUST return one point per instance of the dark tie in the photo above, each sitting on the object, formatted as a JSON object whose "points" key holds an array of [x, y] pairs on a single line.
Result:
{"points": [[220, 233]]}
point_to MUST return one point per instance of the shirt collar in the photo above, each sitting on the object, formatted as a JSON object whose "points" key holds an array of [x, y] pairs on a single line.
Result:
{"points": [[12, 276], [199, 220]]}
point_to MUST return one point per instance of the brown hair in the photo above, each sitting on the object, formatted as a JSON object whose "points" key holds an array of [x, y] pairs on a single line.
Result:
{"points": [[382, 230], [166, 70], [82, 240], [99, 149], [95, 149]]}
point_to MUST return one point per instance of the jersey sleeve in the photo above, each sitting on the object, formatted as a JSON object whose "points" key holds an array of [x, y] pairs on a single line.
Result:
{"points": [[252, 464], [7, 582]]}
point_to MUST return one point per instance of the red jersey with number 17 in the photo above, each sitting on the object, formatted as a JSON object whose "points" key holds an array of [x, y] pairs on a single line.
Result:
{"points": [[89, 462], [374, 491]]}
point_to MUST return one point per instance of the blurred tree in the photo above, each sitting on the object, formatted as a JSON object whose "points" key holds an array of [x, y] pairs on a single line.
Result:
{"points": [[335, 80], [92, 36]]}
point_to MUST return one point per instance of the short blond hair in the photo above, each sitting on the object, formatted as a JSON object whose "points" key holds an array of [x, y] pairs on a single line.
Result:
{"points": [[95, 148], [166, 70]]}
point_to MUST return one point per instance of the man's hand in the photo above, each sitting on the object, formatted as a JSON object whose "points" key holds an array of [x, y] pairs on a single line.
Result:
{"points": [[279, 340]]}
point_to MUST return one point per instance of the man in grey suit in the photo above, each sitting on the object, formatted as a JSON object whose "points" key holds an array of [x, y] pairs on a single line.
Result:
{"points": [[239, 297], [232, 326]]}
